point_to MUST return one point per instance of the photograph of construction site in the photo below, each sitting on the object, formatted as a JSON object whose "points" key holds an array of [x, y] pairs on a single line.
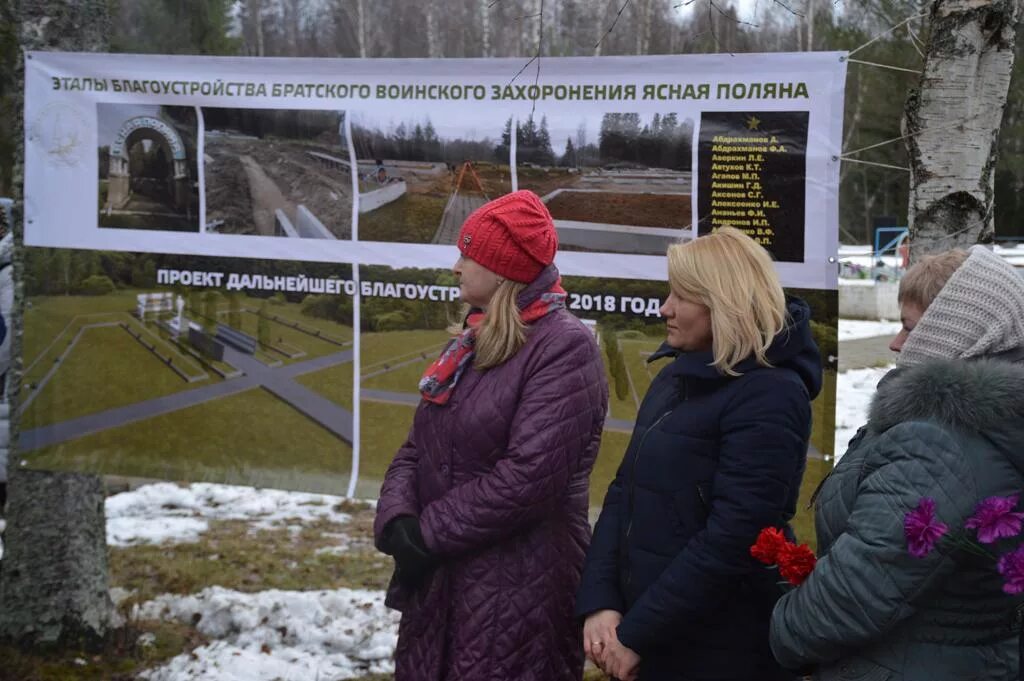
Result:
{"points": [[614, 182], [421, 176], [129, 378], [277, 172], [148, 172]]}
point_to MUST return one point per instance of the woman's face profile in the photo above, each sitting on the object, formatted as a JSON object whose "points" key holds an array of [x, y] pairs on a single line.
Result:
{"points": [[476, 283], [688, 324]]}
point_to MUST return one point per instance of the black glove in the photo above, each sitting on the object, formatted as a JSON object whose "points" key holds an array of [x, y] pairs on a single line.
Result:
{"points": [[404, 541]]}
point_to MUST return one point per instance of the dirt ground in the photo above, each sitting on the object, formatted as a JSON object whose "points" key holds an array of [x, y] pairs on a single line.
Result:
{"points": [[300, 180], [646, 210]]}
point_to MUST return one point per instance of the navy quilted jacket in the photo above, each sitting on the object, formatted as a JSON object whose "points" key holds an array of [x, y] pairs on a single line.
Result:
{"points": [[713, 460], [499, 479]]}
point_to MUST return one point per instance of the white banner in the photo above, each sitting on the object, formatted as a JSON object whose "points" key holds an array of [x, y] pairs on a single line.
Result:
{"points": [[377, 161]]}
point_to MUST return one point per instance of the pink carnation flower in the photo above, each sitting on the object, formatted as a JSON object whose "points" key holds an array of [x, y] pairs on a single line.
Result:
{"points": [[994, 518], [921, 528], [1011, 567]]}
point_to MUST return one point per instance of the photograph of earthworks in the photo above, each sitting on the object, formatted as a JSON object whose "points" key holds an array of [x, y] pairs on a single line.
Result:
{"points": [[614, 182], [127, 377], [421, 176], [148, 173], [282, 173]]}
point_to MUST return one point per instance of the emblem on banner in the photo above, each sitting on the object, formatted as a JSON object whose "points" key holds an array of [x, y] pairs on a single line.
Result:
{"points": [[60, 130]]}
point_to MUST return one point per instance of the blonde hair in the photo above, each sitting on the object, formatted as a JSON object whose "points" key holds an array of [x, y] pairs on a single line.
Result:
{"points": [[731, 275], [925, 278], [502, 333]]}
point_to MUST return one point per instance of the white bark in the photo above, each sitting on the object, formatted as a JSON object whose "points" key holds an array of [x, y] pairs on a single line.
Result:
{"points": [[433, 37], [485, 28], [643, 33], [538, 22], [953, 118], [603, 17], [53, 577], [361, 27], [810, 24]]}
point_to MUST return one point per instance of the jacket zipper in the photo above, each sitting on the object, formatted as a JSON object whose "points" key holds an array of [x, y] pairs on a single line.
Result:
{"points": [[632, 479]]}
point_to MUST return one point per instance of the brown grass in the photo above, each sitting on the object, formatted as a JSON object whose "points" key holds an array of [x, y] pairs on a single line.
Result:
{"points": [[646, 210]]}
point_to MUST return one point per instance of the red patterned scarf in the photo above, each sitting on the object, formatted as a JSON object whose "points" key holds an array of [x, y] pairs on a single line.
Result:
{"points": [[440, 378]]}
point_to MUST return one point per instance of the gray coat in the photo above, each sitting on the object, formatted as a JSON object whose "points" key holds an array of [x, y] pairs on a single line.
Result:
{"points": [[949, 430]]}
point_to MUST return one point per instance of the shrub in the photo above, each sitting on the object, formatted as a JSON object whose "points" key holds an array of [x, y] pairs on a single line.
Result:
{"points": [[97, 285]]}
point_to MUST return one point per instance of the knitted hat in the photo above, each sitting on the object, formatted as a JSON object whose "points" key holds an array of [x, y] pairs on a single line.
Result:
{"points": [[512, 236], [980, 311]]}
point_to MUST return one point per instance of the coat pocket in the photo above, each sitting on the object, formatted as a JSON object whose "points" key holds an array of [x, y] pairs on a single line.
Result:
{"points": [[691, 508]]}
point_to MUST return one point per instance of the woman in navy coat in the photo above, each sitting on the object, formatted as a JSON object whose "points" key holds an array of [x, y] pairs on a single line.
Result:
{"points": [[669, 588]]}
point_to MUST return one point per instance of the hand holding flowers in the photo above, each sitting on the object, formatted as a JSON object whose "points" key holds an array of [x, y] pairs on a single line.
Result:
{"points": [[795, 563]]}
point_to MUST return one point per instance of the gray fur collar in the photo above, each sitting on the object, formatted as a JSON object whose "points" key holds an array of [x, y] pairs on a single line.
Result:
{"points": [[967, 395]]}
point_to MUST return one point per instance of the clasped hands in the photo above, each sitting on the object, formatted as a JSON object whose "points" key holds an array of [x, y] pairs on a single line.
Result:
{"points": [[602, 646], [404, 541]]}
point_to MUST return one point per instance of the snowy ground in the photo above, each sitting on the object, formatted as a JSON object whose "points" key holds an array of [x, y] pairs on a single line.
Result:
{"points": [[263, 636], [852, 329], [854, 390], [860, 254], [168, 513], [280, 635]]}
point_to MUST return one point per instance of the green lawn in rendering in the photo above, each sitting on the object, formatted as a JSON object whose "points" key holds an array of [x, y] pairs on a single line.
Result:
{"points": [[334, 383], [293, 311], [250, 438], [107, 368], [288, 337]]}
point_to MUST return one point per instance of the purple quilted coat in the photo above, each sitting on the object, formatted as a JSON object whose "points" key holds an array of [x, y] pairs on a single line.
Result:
{"points": [[498, 478]]}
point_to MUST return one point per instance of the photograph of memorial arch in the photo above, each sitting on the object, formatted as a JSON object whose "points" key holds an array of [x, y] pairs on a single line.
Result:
{"points": [[148, 173]]}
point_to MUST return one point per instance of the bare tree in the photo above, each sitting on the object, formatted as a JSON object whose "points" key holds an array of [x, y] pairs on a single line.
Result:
{"points": [[485, 27], [54, 580], [953, 119]]}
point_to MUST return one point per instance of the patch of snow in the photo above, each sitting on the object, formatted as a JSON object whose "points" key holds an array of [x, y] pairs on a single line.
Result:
{"points": [[166, 513], [165, 529], [286, 635], [854, 390], [852, 329], [118, 595], [333, 550]]}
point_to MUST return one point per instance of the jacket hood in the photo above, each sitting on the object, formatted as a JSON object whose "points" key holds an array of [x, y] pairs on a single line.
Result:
{"points": [[981, 396], [793, 348]]}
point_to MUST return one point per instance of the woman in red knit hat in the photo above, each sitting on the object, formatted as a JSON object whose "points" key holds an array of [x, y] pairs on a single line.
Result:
{"points": [[484, 508]]}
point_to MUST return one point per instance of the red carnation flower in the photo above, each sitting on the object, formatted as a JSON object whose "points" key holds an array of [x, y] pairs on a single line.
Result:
{"points": [[766, 548], [796, 563]]}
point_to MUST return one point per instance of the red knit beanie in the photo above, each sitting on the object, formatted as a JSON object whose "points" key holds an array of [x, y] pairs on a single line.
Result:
{"points": [[512, 236]]}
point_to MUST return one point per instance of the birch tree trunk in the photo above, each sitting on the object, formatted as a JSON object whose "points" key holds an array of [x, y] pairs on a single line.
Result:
{"points": [[953, 119], [485, 28], [361, 27], [53, 577], [433, 37]]}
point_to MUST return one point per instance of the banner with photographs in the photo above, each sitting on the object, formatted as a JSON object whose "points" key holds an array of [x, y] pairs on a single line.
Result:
{"points": [[239, 268]]}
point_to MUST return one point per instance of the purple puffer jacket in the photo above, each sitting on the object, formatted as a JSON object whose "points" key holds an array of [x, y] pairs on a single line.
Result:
{"points": [[498, 478]]}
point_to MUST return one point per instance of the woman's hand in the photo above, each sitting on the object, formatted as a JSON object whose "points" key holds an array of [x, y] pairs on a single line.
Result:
{"points": [[620, 662], [598, 631]]}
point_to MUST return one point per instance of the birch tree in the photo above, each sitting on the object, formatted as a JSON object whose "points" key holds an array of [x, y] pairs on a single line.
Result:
{"points": [[53, 577], [952, 121]]}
